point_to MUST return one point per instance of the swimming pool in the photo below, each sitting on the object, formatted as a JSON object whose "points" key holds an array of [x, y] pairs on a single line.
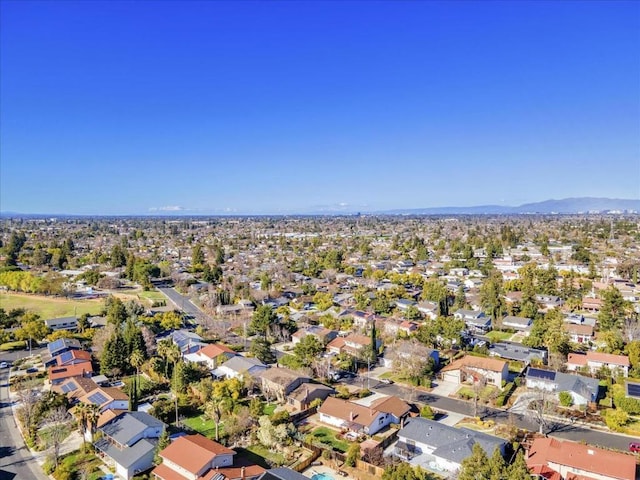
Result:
{"points": [[321, 476]]}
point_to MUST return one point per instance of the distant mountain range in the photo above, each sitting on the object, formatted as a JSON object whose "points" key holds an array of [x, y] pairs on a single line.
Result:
{"points": [[566, 206]]}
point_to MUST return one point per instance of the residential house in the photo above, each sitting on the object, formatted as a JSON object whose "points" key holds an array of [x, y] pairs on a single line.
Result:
{"points": [[280, 382], [475, 320], [324, 335], [72, 357], [429, 309], [406, 350], [591, 304], [549, 302], [212, 355], [514, 351], [301, 397], [58, 375], [579, 333], [239, 366], [403, 304], [62, 323], [75, 387], [472, 369], [107, 398], [194, 457], [576, 461], [583, 390], [397, 408], [520, 324], [435, 446], [57, 347], [353, 344], [188, 342], [353, 417], [394, 326], [128, 443], [282, 473], [594, 361]]}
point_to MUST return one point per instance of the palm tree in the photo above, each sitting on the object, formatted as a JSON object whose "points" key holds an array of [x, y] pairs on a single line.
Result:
{"points": [[170, 352], [93, 413], [81, 413], [215, 409], [136, 360]]}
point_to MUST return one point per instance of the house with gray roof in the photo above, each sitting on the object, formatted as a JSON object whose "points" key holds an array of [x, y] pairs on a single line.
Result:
{"points": [[583, 390], [128, 442], [282, 473], [441, 448], [513, 351], [474, 320], [521, 324], [239, 366]]}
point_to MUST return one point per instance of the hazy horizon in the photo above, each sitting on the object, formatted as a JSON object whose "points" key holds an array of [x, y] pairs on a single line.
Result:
{"points": [[133, 108]]}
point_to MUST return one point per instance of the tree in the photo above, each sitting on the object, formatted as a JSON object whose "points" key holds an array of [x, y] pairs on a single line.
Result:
{"points": [[136, 360], [308, 349], [114, 359], [214, 409], [197, 257], [476, 466], [427, 412], [116, 311], [613, 310], [163, 442], [491, 296], [404, 471], [262, 318], [497, 466], [353, 455], [435, 291], [565, 398], [518, 469], [261, 349], [57, 427]]}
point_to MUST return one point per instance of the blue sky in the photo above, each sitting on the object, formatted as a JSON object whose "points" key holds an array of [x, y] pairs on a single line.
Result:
{"points": [[278, 107]]}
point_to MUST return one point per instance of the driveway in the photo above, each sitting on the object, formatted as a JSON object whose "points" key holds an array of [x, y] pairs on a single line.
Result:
{"points": [[444, 388]]}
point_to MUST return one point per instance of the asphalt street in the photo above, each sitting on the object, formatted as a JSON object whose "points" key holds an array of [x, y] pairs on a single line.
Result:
{"points": [[16, 461], [561, 430], [183, 303]]}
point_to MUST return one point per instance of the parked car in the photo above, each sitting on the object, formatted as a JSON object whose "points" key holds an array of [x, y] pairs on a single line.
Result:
{"points": [[4, 365], [634, 447], [387, 381]]}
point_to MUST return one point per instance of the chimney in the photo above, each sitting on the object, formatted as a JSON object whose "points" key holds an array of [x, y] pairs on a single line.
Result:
{"points": [[242, 473], [351, 416]]}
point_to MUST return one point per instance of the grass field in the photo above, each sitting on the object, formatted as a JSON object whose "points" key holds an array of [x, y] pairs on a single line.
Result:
{"points": [[203, 425], [497, 336], [50, 307]]}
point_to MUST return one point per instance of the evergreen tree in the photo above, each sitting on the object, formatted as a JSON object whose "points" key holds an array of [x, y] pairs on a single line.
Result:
{"points": [[163, 442], [475, 466], [261, 349], [114, 356], [518, 469], [497, 466]]}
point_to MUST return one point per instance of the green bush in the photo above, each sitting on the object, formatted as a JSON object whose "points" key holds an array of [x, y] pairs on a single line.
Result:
{"points": [[566, 400], [427, 412], [364, 393], [279, 417]]}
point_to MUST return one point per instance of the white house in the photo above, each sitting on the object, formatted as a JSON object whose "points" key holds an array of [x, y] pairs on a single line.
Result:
{"points": [[583, 390], [357, 418], [239, 366], [594, 361], [472, 369]]}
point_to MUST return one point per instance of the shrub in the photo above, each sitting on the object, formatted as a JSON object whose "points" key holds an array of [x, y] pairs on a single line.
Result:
{"points": [[566, 400], [616, 419], [427, 412], [364, 393], [279, 417]]}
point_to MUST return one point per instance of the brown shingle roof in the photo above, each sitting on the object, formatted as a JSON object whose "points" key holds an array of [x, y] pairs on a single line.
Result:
{"points": [[348, 411], [393, 405], [193, 452], [214, 350], [489, 364]]}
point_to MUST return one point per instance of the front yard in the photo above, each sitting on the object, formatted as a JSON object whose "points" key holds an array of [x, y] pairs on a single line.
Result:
{"points": [[328, 438]]}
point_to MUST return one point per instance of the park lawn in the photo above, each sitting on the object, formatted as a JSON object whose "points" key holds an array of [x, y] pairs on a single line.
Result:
{"points": [[50, 307], [497, 336], [328, 437]]}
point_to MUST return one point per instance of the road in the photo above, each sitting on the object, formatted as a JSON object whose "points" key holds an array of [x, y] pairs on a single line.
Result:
{"points": [[566, 431], [183, 303], [16, 461]]}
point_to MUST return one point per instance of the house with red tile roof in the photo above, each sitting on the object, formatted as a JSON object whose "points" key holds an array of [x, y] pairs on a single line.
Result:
{"points": [[58, 375], [195, 457], [594, 361], [213, 355], [563, 460]]}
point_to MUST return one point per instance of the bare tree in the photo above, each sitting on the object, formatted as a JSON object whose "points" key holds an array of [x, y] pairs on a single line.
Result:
{"points": [[28, 393], [540, 407], [631, 329], [57, 429]]}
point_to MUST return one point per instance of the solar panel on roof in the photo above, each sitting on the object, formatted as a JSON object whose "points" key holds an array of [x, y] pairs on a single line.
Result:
{"points": [[633, 389], [69, 387], [97, 398], [56, 345], [542, 374], [66, 356]]}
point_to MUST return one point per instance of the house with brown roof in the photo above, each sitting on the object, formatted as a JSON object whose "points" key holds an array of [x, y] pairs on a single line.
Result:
{"points": [[579, 333], [353, 344], [394, 406], [72, 357], [353, 417], [195, 457], [75, 387], [594, 361], [280, 382], [213, 355], [107, 398], [575, 461], [324, 335], [304, 394], [471, 369]]}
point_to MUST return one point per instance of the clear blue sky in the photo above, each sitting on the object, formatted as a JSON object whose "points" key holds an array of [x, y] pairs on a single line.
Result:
{"points": [[267, 107]]}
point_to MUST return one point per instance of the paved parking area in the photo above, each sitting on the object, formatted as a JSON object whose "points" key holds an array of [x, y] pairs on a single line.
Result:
{"points": [[444, 388]]}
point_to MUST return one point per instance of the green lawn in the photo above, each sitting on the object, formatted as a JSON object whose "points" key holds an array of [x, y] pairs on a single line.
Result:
{"points": [[152, 296], [263, 455], [269, 408], [77, 462], [328, 437], [496, 336], [50, 307], [204, 426]]}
